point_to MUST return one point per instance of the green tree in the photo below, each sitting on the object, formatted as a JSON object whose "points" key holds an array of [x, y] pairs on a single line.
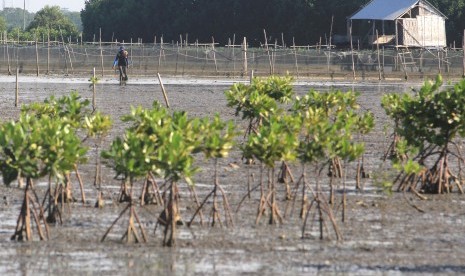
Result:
{"points": [[15, 17], [304, 20], [52, 18], [3, 24]]}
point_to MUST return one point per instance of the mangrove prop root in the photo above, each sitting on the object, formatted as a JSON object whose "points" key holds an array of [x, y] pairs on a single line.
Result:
{"points": [[156, 188], [270, 201], [215, 211], [171, 217], [196, 200], [81, 184], [132, 232], [114, 222], [246, 196], [285, 176], [23, 230], [124, 195]]}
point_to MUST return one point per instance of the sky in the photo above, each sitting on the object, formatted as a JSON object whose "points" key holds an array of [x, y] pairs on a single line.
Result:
{"points": [[36, 5]]}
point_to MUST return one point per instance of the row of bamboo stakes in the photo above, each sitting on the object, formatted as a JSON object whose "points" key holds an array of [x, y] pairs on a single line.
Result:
{"points": [[244, 51], [270, 54]]}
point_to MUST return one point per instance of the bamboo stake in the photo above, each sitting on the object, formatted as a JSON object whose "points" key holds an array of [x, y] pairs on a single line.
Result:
{"points": [[159, 57], [177, 58], [64, 49], [295, 57], [439, 61], [352, 50], [94, 104], [446, 58], [70, 61], [244, 49], [214, 54], [48, 51], [268, 52], [101, 51], [421, 60], [185, 55], [463, 52], [233, 56], [17, 88], [141, 56], [377, 50], [329, 47], [273, 54], [8, 57], [163, 90], [37, 59]]}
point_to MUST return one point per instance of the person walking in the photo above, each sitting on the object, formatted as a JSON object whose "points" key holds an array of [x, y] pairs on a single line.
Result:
{"points": [[121, 60]]}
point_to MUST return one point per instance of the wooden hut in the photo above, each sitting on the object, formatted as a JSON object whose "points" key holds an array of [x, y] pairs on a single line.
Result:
{"points": [[408, 23]]}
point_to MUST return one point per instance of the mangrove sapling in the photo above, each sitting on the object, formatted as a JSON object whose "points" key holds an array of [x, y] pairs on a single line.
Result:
{"points": [[335, 105], [274, 141], [21, 152], [175, 160], [394, 108], [70, 110], [62, 150], [328, 126], [152, 123], [218, 139], [97, 126], [162, 144], [257, 101], [330, 119], [130, 158], [429, 123]]}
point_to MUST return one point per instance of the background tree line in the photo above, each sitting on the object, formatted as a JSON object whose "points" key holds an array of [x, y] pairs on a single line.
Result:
{"points": [[305, 20], [49, 20]]}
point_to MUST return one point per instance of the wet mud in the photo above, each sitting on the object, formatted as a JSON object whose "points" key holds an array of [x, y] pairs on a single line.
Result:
{"points": [[382, 234]]}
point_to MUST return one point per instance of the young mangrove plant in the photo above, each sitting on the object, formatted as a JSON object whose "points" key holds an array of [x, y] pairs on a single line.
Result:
{"points": [[217, 141], [160, 144], [257, 102], [35, 147], [329, 124], [62, 151], [72, 110], [276, 140], [336, 105], [152, 123], [428, 123], [131, 158], [21, 154], [97, 127]]}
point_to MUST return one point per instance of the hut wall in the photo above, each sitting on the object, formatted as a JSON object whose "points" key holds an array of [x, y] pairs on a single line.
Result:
{"points": [[423, 31], [432, 31], [409, 33]]}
